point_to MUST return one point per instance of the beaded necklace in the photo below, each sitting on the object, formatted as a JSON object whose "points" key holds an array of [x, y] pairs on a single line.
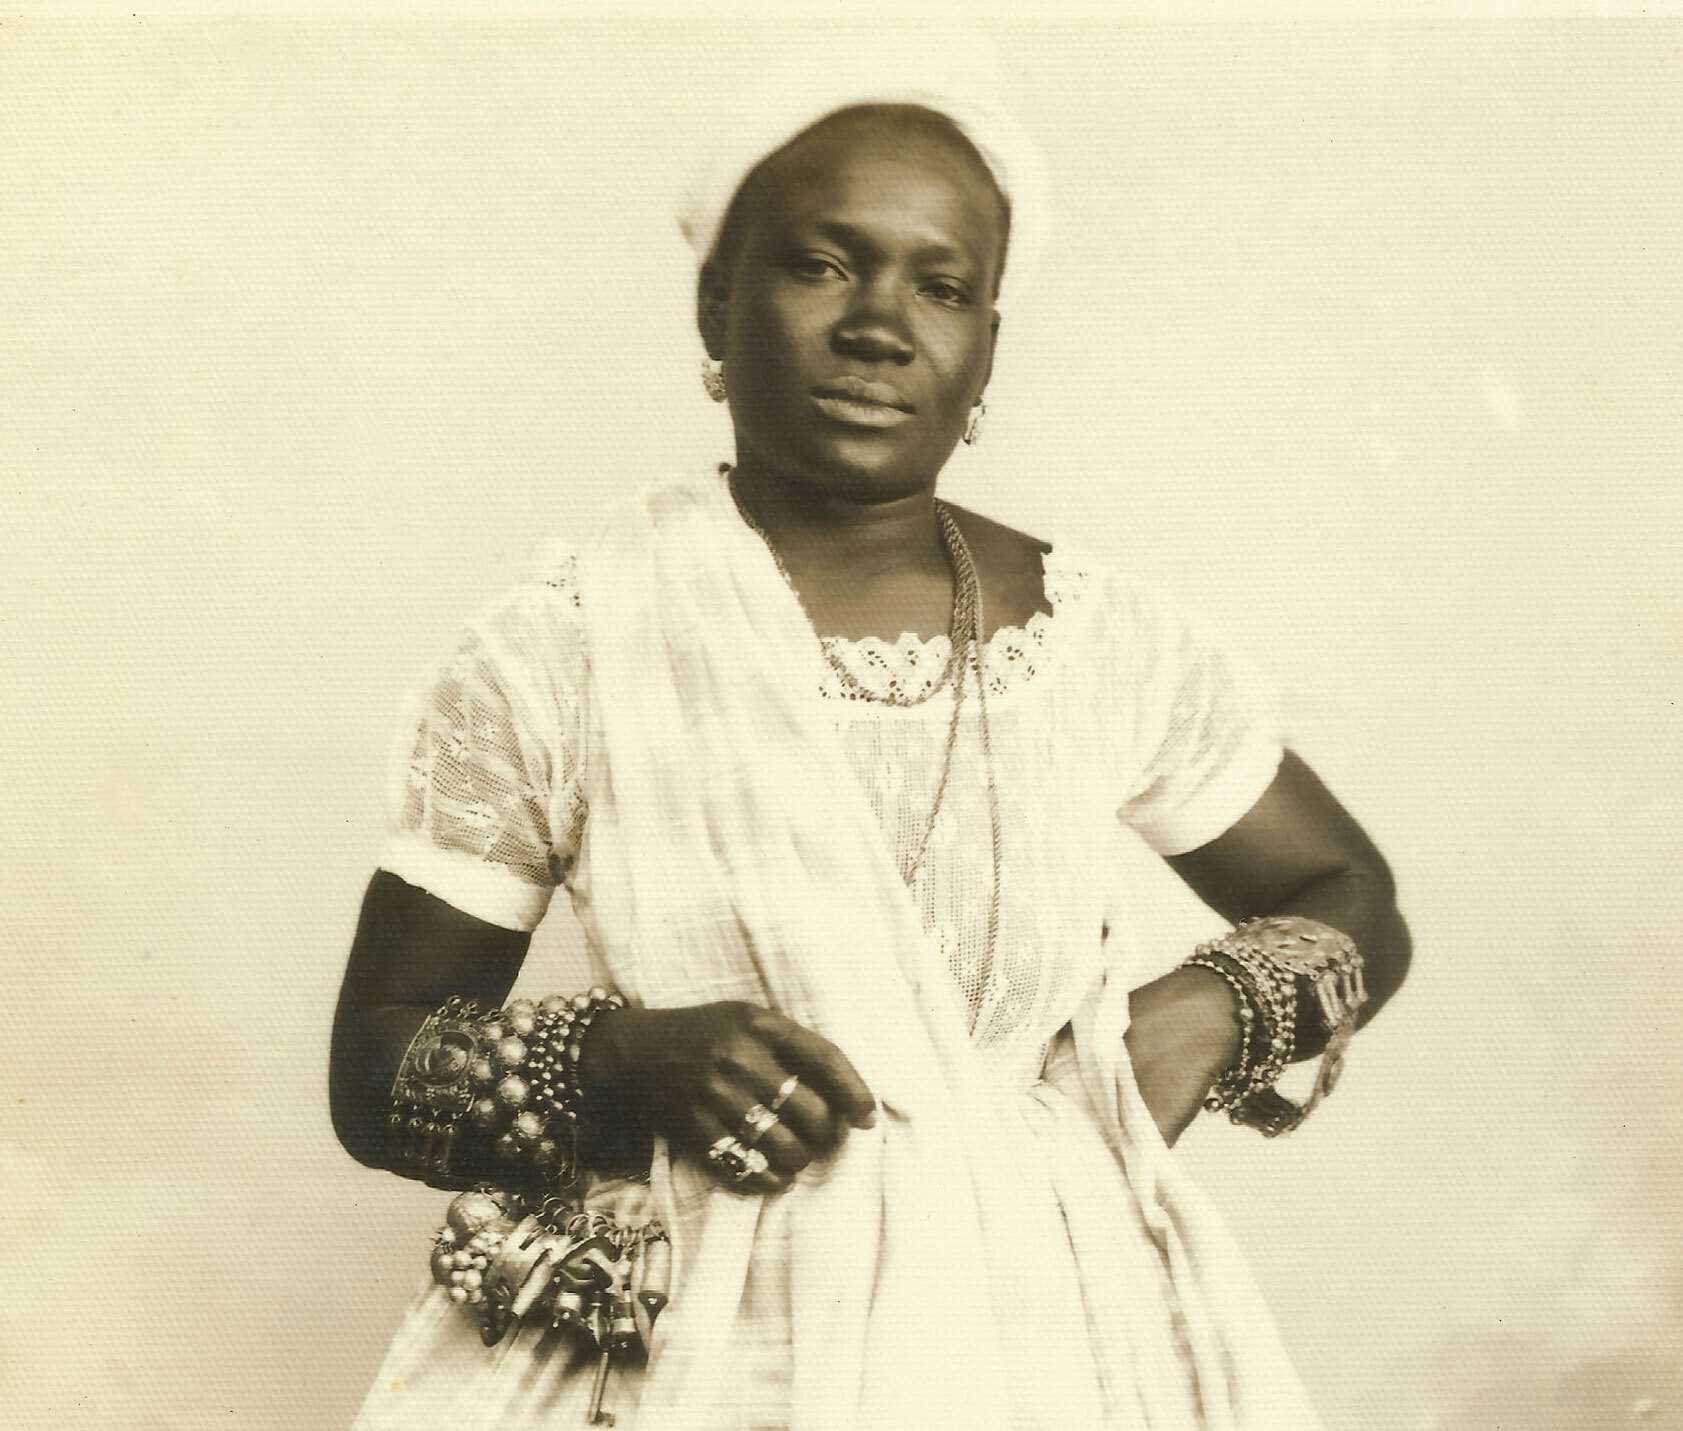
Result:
{"points": [[968, 649]]}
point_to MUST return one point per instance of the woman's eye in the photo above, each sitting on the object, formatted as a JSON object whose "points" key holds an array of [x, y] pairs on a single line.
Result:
{"points": [[812, 265], [943, 292]]}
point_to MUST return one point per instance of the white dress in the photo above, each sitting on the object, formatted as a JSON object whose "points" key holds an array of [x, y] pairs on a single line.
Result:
{"points": [[1114, 708]]}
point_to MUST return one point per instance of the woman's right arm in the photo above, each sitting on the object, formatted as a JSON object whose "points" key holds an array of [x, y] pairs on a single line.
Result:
{"points": [[689, 1073]]}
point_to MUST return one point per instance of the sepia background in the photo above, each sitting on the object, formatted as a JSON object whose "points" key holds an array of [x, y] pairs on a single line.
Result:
{"points": [[1364, 339]]}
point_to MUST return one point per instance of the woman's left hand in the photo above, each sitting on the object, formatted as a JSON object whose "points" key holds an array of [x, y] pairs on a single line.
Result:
{"points": [[1183, 1033]]}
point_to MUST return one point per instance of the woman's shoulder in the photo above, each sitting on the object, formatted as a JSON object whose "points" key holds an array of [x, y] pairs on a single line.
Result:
{"points": [[543, 592], [1012, 566], [1052, 574], [1085, 596], [992, 539], [527, 634]]}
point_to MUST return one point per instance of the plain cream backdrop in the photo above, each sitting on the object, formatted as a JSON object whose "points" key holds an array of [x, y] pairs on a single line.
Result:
{"points": [[1364, 339]]}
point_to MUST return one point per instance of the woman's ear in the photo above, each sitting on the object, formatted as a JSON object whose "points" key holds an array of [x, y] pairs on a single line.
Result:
{"points": [[993, 345], [712, 302]]}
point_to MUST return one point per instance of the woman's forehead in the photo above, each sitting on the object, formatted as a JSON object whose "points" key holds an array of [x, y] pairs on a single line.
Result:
{"points": [[925, 187], [866, 143]]}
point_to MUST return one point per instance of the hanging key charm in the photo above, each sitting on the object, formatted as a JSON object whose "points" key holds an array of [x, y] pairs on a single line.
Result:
{"points": [[596, 1325], [597, 1416]]}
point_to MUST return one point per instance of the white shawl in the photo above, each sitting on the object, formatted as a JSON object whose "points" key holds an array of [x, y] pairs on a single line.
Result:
{"points": [[731, 848]]}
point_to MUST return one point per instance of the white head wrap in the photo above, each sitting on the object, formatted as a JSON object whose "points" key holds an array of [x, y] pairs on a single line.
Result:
{"points": [[791, 99]]}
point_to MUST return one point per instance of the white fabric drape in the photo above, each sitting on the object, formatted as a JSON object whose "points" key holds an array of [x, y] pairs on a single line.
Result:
{"points": [[710, 760]]}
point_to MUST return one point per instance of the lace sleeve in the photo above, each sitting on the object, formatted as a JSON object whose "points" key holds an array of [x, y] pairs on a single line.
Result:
{"points": [[483, 801], [1207, 729]]}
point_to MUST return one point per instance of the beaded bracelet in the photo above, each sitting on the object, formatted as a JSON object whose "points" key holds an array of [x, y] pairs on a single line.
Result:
{"points": [[1271, 1049], [1235, 1081], [1247, 1010], [529, 1100], [1264, 960], [1277, 991]]}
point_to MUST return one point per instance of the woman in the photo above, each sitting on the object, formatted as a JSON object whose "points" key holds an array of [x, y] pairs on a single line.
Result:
{"points": [[910, 1128]]}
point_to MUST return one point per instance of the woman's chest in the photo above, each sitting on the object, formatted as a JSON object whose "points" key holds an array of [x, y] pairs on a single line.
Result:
{"points": [[1010, 847]]}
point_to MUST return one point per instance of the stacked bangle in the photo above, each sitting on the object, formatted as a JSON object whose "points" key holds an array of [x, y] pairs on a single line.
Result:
{"points": [[1233, 1083], [511, 1072], [1263, 961], [1276, 991]]}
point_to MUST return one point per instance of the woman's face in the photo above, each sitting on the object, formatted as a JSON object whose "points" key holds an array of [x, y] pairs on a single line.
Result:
{"points": [[857, 322]]}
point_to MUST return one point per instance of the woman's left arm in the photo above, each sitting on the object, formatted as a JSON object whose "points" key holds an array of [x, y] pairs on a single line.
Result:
{"points": [[1297, 851]]}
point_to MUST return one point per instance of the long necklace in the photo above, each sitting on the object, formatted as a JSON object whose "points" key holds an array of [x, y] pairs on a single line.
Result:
{"points": [[968, 648]]}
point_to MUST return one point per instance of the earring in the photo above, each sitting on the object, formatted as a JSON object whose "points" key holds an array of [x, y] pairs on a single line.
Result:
{"points": [[713, 378], [973, 428]]}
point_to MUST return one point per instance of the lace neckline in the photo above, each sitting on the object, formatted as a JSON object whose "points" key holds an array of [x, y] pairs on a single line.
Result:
{"points": [[1013, 655], [911, 664]]}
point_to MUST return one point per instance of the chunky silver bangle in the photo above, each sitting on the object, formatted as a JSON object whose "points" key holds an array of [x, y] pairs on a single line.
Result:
{"points": [[528, 1101]]}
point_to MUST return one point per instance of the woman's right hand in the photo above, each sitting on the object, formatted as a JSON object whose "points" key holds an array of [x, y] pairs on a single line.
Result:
{"points": [[693, 1073]]}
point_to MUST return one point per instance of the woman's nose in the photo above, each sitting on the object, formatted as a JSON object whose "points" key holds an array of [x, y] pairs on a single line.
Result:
{"points": [[874, 328]]}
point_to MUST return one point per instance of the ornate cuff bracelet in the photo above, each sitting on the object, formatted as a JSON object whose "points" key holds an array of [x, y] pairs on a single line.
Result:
{"points": [[433, 1088]]}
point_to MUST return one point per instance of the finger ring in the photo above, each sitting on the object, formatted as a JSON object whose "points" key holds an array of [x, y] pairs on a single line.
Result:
{"points": [[788, 1086], [758, 1121], [754, 1163], [736, 1159], [727, 1153]]}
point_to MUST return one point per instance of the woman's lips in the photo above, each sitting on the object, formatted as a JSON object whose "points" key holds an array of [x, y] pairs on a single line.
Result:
{"points": [[857, 412], [859, 402]]}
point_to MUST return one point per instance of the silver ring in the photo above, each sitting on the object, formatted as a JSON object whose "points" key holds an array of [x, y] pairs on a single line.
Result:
{"points": [[757, 1122], [754, 1163], [736, 1159], [788, 1086]]}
